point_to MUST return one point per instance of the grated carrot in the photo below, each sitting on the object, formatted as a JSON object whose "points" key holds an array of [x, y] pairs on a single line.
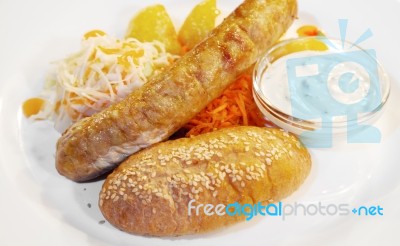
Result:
{"points": [[234, 107]]}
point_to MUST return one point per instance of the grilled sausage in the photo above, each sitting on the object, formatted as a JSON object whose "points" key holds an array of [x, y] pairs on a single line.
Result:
{"points": [[155, 111]]}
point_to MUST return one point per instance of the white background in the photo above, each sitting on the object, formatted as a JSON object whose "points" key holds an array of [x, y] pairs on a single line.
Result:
{"points": [[39, 207]]}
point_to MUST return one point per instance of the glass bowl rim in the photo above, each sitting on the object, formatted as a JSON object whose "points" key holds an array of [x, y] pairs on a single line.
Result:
{"points": [[261, 66]]}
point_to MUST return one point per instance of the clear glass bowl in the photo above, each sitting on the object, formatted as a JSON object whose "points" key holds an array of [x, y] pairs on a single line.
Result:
{"points": [[318, 87]]}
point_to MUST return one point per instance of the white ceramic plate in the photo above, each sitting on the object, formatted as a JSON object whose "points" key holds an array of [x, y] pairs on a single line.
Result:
{"points": [[39, 207]]}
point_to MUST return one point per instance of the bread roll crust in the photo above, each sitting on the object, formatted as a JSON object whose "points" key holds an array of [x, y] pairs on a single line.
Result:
{"points": [[148, 194]]}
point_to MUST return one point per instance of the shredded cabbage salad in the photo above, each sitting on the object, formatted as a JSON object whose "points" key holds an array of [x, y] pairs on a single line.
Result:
{"points": [[103, 72]]}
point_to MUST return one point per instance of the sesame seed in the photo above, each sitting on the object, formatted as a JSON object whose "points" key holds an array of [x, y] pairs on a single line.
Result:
{"points": [[263, 167], [215, 193]]}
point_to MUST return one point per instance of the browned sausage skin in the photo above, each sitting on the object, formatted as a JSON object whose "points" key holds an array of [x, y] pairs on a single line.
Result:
{"points": [[152, 113]]}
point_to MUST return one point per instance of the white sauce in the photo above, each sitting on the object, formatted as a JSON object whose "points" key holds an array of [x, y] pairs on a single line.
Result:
{"points": [[332, 86]]}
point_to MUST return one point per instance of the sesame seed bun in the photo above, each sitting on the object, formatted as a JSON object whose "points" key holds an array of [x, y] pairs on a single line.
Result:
{"points": [[149, 193]]}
